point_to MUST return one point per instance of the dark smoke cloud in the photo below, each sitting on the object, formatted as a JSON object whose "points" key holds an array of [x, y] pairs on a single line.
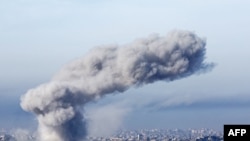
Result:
{"points": [[59, 103]]}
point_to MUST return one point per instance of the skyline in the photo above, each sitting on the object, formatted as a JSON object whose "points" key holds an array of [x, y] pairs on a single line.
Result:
{"points": [[38, 38]]}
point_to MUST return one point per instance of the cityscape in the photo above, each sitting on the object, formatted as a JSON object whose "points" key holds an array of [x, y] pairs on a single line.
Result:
{"points": [[203, 134], [163, 135]]}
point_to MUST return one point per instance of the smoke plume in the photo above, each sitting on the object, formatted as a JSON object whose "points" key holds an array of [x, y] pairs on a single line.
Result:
{"points": [[59, 103]]}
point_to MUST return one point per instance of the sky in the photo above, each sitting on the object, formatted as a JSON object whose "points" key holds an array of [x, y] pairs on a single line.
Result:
{"points": [[38, 37]]}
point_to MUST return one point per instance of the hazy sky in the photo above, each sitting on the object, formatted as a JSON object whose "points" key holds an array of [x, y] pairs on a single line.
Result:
{"points": [[38, 37]]}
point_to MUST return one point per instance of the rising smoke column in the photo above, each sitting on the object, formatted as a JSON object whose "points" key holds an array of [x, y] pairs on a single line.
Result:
{"points": [[59, 103]]}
